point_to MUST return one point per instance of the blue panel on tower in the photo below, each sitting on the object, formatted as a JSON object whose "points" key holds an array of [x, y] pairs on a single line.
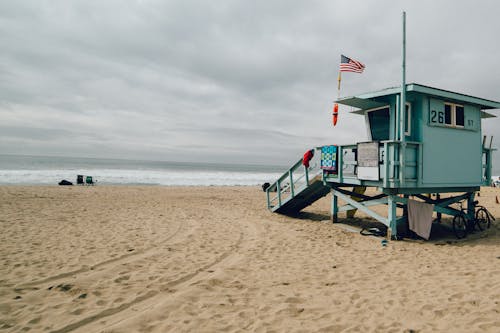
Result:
{"points": [[329, 158]]}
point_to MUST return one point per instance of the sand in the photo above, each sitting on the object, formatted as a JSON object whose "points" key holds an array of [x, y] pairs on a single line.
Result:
{"points": [[214, 259]]}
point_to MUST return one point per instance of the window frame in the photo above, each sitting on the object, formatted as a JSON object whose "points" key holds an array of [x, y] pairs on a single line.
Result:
{"points": [[367, 120], [408, 119], [463, 115], [453, 107]]}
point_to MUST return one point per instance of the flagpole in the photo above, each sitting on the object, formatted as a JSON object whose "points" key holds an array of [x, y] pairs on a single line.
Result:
{"points": [[335, 105], [346, 65], [402, 108], [338, 86], [339, 79]]}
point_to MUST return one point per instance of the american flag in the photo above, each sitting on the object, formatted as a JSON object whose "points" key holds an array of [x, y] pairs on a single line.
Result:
{"points": [[350, 65]]}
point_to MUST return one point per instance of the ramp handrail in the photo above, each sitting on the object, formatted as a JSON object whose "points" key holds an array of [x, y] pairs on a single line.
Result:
{"points": [[291, 182], [486, 166]]}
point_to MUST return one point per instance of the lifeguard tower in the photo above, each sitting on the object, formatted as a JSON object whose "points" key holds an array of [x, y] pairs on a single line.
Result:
{"points": [[434, 146], [421, 140]]}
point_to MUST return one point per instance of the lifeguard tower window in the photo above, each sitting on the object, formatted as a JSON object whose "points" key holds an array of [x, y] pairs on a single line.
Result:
{"points": [[408, 119], [459, 115], [379, 123], [453, 115]]}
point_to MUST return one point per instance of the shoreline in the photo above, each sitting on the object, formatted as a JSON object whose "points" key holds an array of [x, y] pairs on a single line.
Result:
{"points": [[125, 185]]}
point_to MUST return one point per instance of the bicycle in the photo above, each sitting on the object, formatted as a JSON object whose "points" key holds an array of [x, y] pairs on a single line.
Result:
{"points": [[463, 223], [483, 217]]}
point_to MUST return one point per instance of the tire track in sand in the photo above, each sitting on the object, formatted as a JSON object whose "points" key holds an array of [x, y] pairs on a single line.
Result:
{"points": [[150, 294], [242, 252], [135, 255]]}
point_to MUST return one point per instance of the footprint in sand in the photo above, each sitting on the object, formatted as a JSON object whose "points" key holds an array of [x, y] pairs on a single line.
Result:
{"points": [[294, 300], [77, 312], [122, 278]]}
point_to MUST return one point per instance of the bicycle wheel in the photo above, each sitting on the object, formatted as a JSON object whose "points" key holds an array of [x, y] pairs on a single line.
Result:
{"points": [[460, 225], [482, 219]]}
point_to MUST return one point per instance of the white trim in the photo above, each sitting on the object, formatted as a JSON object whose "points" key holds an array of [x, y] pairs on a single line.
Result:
{"points": [[408, 119], [463, 108], [451, 114], [368, 173], [379, 108], [367, 120], [368, 127], [453, 107]]}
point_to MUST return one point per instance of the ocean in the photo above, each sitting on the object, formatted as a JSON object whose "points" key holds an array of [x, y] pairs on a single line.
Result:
{"points": [[45, 170]]}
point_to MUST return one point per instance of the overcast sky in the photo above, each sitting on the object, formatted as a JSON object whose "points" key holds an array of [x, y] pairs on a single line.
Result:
{"points": [[230, 81]]}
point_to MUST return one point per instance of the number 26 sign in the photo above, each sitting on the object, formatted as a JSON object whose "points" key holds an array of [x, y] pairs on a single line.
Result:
{"points": [[437, 117]]}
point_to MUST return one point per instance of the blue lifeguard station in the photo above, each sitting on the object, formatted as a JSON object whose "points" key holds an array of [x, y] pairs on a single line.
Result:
{"points": [[421, 140], [432, 145]]}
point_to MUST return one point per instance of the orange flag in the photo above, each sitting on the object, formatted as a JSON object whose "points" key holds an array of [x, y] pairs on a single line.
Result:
{"points": [[335, 113]]}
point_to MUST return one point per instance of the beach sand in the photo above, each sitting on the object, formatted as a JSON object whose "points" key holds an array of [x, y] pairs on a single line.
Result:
{"points": [[214, 259]]}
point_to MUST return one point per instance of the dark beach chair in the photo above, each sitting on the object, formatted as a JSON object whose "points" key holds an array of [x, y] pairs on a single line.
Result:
{"points": [[79, 180], [89, 180]]}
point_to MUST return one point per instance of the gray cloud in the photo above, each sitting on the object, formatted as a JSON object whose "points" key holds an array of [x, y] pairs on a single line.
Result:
{"points": [[227, 81]]}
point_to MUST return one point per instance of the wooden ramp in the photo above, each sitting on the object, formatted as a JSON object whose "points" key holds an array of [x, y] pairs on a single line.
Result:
{"points": [[296, 189], [309, 194]]}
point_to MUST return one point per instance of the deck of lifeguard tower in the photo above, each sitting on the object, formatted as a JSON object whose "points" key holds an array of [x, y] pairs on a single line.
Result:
{"points": [[434, 146]]}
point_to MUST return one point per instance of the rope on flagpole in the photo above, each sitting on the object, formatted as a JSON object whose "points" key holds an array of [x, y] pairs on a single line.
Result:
{"points": [[346, 65], [338, 87]]}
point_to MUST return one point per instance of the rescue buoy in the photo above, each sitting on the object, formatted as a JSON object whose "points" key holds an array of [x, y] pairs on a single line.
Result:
{"points": [[335, 113]]}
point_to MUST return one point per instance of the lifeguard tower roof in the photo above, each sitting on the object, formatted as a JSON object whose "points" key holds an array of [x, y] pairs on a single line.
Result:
{"points": [[372, 100]]}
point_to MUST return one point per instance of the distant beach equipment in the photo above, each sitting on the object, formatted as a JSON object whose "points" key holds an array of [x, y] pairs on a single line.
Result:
{"points": [[89, 180], [65, 182], [85, 180]]}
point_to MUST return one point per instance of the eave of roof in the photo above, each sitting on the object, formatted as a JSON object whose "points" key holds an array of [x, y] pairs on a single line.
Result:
{"points": [[366, 101]]}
